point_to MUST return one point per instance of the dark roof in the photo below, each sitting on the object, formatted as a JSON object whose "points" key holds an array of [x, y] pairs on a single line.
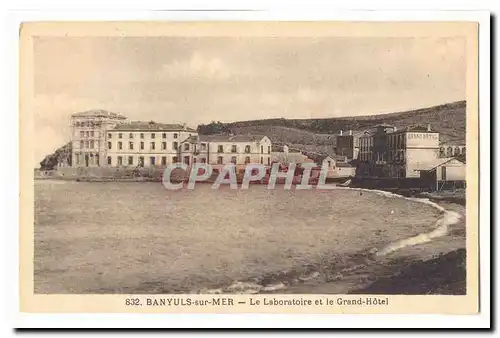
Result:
{"points": [[98, 113], [141, 125], [229, 138]]}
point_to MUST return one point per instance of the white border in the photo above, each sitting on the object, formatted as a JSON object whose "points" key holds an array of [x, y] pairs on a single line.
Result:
{"points": [[10, 175]]}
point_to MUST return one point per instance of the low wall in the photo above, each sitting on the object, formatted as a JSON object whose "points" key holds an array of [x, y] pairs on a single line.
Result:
{"points": [[113, 173]]}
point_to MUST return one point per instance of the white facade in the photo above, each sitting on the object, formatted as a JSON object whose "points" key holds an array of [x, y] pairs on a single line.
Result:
{"points": [[217, 150], [148, 146], [88, 134]]}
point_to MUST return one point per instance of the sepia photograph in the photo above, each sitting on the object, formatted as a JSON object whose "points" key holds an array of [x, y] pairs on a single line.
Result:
{"points": [[263, 159]]}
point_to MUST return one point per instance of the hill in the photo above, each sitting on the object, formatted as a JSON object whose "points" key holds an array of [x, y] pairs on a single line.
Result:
{"points": [[449, 119]]}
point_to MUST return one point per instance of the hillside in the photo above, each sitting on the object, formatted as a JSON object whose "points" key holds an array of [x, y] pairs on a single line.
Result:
{"points": [[449, 119]]}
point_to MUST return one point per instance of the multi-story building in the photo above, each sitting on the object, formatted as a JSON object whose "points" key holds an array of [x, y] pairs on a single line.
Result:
{"points": [[101, 138], [389, 152], [449, 150], [145, 144], [224, 149], [347, 145], [88, 135]]}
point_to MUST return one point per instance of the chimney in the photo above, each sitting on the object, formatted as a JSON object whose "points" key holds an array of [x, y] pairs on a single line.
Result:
{"points": [[341, 133], [428, 127], [350, 132]]}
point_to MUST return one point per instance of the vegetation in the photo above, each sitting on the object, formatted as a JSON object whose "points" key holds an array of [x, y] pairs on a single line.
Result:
{"points": [[61, 155], [449, 119]]}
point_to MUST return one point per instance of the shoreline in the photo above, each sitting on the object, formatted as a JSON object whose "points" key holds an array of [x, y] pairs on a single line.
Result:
{"points": [[385, 270]]}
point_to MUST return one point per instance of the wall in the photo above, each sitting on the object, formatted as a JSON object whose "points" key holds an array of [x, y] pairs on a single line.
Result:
{"points": [[212, 153], [421, 147], [455, 171]]}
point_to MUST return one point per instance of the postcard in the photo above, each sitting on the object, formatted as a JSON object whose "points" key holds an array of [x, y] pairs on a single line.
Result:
{"points": [[249, 167]]}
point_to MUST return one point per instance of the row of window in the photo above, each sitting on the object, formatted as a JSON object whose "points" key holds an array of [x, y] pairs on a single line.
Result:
{"points": [[88, 133], [152, 146], [120, 160], [234, 149], [89, 144], [451, 151], [141, 135], [88, 124]]}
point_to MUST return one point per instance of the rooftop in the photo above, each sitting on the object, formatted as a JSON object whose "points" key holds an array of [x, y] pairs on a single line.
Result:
{"points": [[430, 165], [143, 125], [225, 138], [98, 113]]}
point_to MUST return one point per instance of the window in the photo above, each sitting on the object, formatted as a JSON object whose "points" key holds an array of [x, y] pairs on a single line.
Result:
{"points": [[164, 135], [186, 146], [457, 151], [119, 135], [233, 148], [203, 146], [175, 145], [153, 135], [164, 145], [220, 149], [152, 146], [219, 160], [261, 160], [175, 159], [81, 144], [175, 135], [86, 134], [186, 160], [131, 145], [119, 158], [141, 135], [164, 160], [109, 135], [131, 135], [109, 145], [463, 151], [130, 160], [91, 133], [109, 160], [203, 160], [261, 150], [268, 161], [142, 145], [82, 134], [247, 159], [247, 149], [120, 145], [152, 160], [92, 144], [268, 149], [86, 144], [141, 161], [233, 160]]}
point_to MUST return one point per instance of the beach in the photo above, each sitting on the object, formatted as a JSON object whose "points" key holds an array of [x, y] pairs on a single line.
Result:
{"points": [[141, 238]]}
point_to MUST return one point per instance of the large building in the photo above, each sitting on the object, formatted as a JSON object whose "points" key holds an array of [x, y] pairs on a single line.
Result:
{"points": [[224, 149], [388, 152], [88, 136], [145, 144], [101, 138]]}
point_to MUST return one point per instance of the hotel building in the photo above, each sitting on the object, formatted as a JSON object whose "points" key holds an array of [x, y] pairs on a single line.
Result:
{"points": [[388, 152], [145, 144], [224, 149]]}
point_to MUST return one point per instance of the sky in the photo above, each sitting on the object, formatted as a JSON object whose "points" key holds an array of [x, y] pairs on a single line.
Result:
{"points": [[199, 79]]}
